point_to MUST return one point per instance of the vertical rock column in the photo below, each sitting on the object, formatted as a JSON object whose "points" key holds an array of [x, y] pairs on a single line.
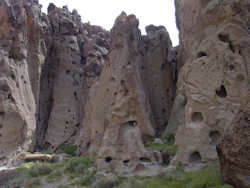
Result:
{"points": [[118, 115], [21, 38]]}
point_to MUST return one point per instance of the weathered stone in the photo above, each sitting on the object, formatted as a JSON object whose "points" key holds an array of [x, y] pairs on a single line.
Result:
{"points": [[158, 74], [22, 54], [234, 151], [213, 84], [72, 66]]}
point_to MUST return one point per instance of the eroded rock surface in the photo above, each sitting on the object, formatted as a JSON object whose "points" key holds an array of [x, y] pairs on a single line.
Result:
{"points": [[213, 83], [65, 82], [121, 112], [22, 53], [234, 150], [77, 53]]}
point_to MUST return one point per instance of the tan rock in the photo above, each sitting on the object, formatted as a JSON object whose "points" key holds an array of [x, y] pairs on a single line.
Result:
{"points": [[118, 115], [214, 79], [21, 55], [234, 150]]}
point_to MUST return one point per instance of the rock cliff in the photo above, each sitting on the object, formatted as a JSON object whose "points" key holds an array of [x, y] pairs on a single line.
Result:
{"points": [[64, 82], [213, 86], [67, 83]]}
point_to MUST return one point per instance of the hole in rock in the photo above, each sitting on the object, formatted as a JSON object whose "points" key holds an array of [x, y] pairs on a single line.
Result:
{"points": [[223, 37], [197, 117], [231, 67], [2, 113], [145, 160], [83, 60], [13, 77], [195, 157], [0, 135], [221, 92], [78, 125], [108, 159], [132, 123], [67, 71], [214, 137], [125, 162], [1, 126], [201, 54]]}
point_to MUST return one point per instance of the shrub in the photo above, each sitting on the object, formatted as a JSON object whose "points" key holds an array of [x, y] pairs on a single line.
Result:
{"points": [[70, 150]]}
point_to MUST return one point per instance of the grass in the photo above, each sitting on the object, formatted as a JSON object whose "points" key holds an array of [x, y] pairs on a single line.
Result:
{"points": [[207, 177], [78, 165], [167, 145], [54, 177], [35, 184], [84, 181], [76, 169]]}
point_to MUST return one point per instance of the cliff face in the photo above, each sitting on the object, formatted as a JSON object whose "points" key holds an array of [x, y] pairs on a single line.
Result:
{"points": [[213, 86], [22, 52], [121, 112], [65, 82]]}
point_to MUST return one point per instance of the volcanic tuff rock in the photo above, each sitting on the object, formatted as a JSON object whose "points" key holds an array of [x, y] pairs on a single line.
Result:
{"points": [[234, 150], [76, 56], [119, 113], [59, 76], [214, 82], [48, 63], [22, 53]]}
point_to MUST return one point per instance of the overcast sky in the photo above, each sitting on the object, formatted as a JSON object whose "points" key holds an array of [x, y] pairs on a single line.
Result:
{"points": [[103, 13]]}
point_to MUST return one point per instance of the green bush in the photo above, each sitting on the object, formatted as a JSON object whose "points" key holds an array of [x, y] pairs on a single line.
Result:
{"points": [[40, 169], [167, 146], [78, 164], [70, 150]]}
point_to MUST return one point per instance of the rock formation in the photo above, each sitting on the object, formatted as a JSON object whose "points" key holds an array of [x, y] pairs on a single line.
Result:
{"points": [[76, 56], [234, 150], [213, 84], [65, 82], [22, 53], [119, 113]]}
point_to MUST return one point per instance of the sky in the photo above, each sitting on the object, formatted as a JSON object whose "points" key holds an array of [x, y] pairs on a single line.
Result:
{"points": [[104, 13]]}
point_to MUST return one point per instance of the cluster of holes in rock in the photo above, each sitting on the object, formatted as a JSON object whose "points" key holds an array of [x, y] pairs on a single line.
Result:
{"points": [[197, 117], [221, 92], [214, 137], [195, 158]]}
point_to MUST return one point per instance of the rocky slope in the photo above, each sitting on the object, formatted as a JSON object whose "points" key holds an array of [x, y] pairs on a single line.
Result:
{"points": [[63, 82]]}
